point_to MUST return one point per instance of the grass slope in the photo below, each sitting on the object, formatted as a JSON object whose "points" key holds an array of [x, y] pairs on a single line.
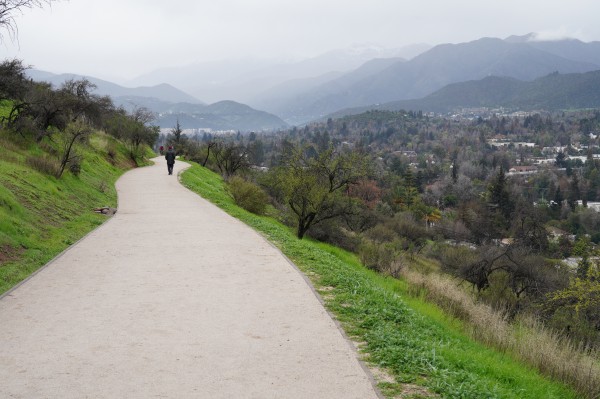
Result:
{"points": [[413, 340], [40, 215]]}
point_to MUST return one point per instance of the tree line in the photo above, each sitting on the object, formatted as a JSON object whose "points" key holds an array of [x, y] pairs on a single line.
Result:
{"points": [[66, 116]]}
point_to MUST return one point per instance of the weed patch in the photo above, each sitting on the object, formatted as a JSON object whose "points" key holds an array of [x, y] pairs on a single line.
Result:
{"points": [[45, 165]]}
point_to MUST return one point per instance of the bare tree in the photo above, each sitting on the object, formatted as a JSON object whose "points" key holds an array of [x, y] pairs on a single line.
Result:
{"points": [[79, 102], [8, 9], [211, 144], [230, 158], [140, 131], [143, 115], [75, 132]]}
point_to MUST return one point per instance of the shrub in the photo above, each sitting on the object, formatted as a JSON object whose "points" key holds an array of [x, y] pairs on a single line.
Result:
{"points": [[111, 151], [248, 195], [384, 258], [75, 167], [381, 234], [330, 231], [44, 164]]}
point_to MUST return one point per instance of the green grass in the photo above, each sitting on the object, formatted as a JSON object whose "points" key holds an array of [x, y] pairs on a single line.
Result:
{"points": [[40, 215], [5, 107], [411, 339]]}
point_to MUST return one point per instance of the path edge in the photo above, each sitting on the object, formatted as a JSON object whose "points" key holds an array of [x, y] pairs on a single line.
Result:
{"points": [[67, 249], [309, 283], [334, 319]]}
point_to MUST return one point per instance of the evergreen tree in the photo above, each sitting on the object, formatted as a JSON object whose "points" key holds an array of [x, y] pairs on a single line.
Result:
{"points": [[574, 192], [455, 167], [499, 196], [558, 198]]}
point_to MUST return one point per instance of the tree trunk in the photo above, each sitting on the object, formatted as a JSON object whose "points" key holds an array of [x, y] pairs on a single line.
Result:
{"points": [[301, 230], [304, 224], [207, 155]]}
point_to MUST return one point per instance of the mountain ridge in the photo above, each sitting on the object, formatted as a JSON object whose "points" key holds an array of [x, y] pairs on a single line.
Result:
{"points": [[551, 92], [432, 70], [103, 87]]}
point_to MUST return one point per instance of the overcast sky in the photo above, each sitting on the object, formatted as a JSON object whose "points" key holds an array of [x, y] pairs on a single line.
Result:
{"points": [[126, 38]]}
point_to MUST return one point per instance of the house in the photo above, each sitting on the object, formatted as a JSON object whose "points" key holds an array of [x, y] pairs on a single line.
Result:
{"points": [[507, 143], [592, 205], [554, 150], [522, 170], [543, 161]]}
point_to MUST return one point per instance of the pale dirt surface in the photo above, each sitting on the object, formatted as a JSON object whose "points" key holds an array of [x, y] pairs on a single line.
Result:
{"points": [[172, 298]]}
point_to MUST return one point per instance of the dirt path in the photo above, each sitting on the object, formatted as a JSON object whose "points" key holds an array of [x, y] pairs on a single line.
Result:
{"points": [[172, 298]]}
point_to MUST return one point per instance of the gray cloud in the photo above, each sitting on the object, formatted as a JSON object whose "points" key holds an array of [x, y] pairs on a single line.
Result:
{"points": [[115, 38]]}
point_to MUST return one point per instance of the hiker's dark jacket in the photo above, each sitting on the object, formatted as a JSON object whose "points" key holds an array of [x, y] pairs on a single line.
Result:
{"points": [[170, 157]]}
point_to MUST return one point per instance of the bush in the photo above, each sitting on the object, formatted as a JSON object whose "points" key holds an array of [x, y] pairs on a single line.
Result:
{"points": [[381, 234], [75, 167], [330, 231], [384, 258], [111, 152], [248, 195], [44, 165]]}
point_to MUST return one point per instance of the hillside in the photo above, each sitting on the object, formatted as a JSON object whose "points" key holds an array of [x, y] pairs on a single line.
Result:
{"points": [[41, 215], [224, 115]]}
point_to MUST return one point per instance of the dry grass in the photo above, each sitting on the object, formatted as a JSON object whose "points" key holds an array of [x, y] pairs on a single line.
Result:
{"points": [[526, 339], [44, 164], [9, 149]]}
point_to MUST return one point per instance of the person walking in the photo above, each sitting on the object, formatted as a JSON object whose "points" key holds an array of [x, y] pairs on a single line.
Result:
{"points": [[170, 157]]}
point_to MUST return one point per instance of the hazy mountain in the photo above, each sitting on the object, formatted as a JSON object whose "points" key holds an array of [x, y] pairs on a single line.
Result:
{"points": [[572, 49], [224, 115], [288, 100], [206, 80], [162, 91], [552, 92], [247, 79], [430, 71]]}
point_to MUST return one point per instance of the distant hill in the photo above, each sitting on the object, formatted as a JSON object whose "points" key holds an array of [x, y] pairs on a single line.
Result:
{"points": [[223, 115], [162, 91], [171, 104], [440, 66], [572, 49], [552, 92]]}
